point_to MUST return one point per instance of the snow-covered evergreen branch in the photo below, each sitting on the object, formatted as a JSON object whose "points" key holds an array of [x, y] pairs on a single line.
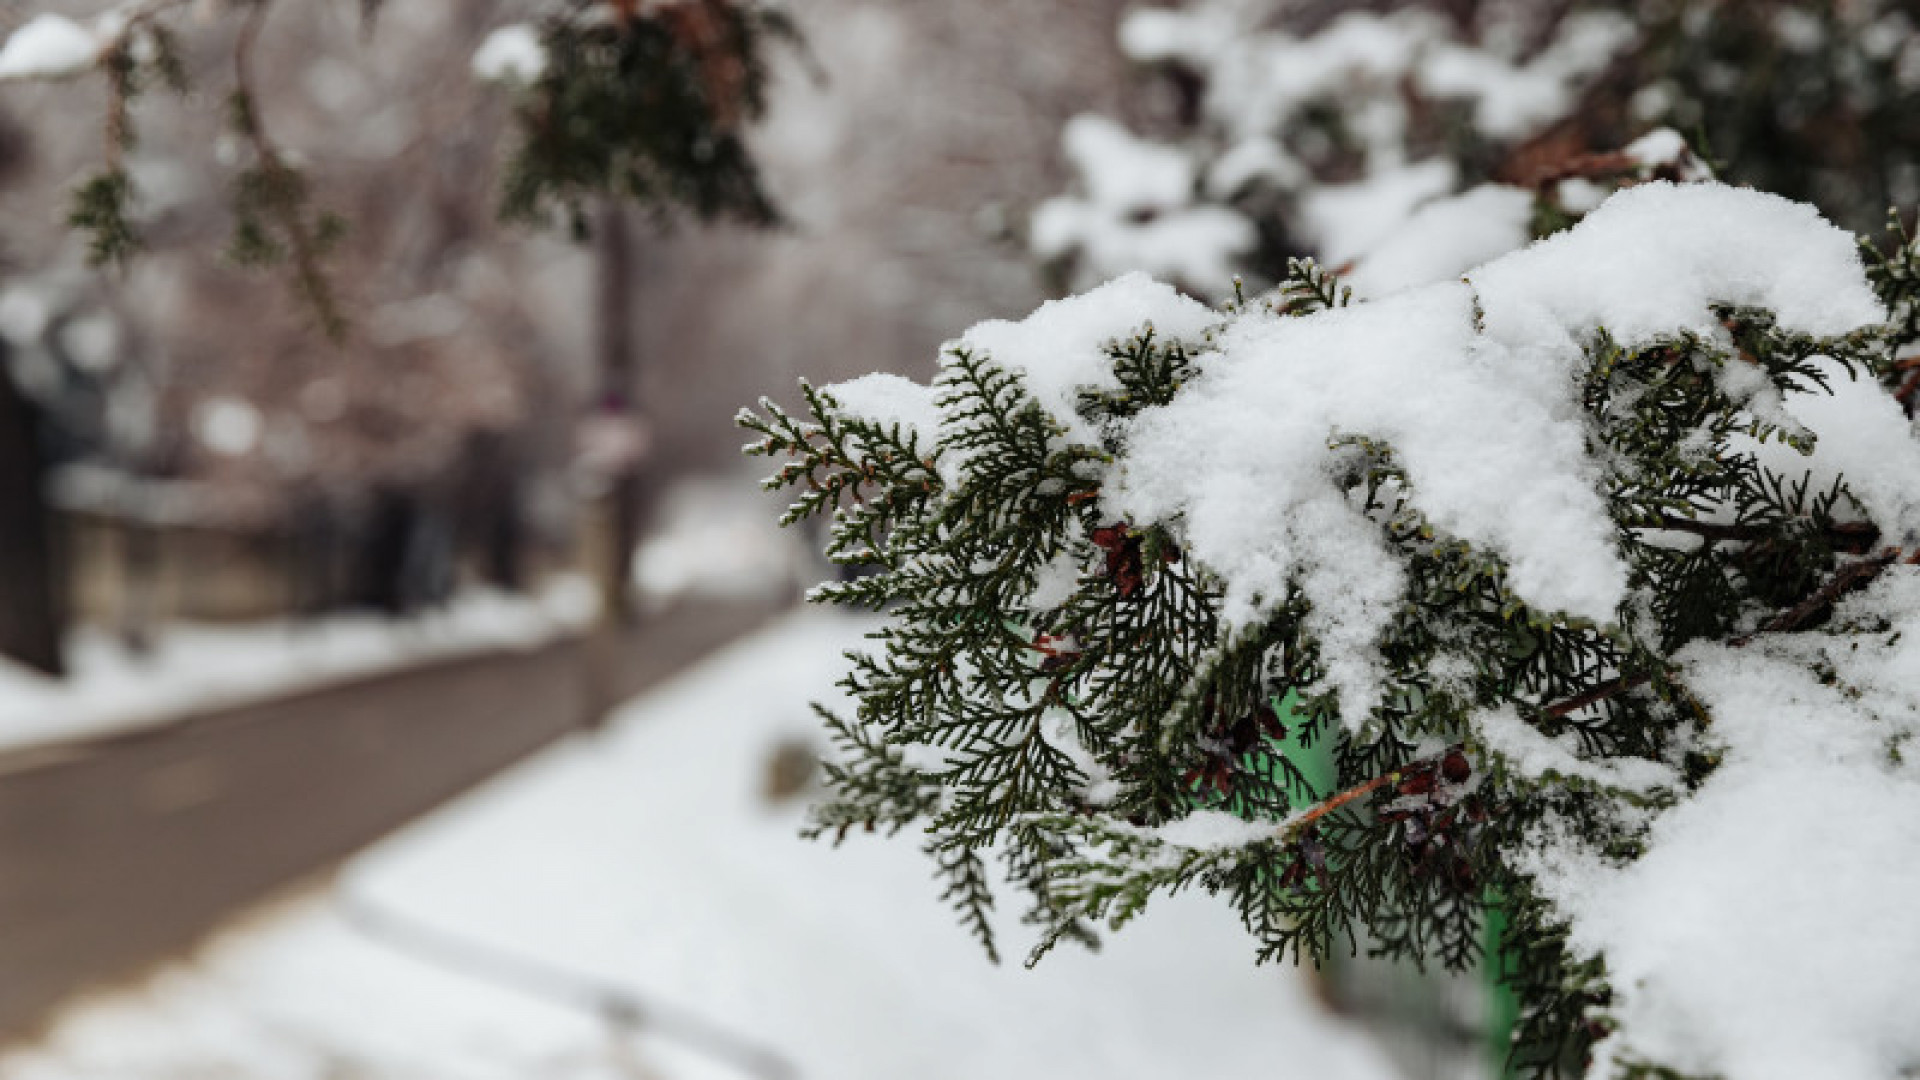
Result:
{"points": [[1582, 570]]}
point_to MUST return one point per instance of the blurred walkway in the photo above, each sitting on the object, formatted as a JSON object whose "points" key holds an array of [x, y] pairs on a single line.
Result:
{"points": [[119, 851], [639, 904]]}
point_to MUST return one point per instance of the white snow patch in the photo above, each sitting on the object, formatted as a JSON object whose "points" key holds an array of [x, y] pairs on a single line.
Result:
{"points": [[1767, 933], [1653, 259], [1137, 212], [1060, 349], [1513, 100], [1125, 172], [1215, 830], [1242, 456], [1058, 729], [715, 538], [1536, 757], [1346, 222], [1445, 238], [884, 398], [1257, 158], [48, 46], [1056, 582], [511, 54], [1196, 246], [227, 425], [1865, 437]]}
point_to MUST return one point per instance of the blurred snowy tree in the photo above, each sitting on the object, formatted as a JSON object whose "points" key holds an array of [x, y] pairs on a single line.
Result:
{"points": [[1445, 133], [359, 147], [632, 99]]}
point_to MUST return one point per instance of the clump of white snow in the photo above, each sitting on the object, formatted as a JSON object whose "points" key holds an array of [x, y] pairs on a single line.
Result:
{"points": [[1653, 259], [1213, 830], [1137, 211], [227, 425], [511, 54], [1665, 148], [886, 399], [1477, 414], [1241, 459], [1445, 238], [1055, 582], [1512, 100], [1123, 172], [1524, 749], [1347, 221], [1865, 437], [1060, 349], [1098, 787], [48, 46]]}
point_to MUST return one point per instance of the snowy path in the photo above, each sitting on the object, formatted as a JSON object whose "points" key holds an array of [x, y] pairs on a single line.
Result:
{"points": [[196, 668], [645, 859]]}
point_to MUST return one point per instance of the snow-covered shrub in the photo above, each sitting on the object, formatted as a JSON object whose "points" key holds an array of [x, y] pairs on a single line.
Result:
{"points": [[1594, 570], [1323, 141], [1303, 135]]}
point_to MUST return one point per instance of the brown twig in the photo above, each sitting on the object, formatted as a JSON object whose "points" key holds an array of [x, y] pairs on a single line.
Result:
{"points": [[1710, 530], [1601, 692], [1906, 391], [1845, 580], [119, 121], [1850, 532], [1300, 823]]}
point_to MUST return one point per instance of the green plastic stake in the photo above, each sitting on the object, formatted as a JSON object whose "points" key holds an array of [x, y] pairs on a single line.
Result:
{"points": [[1503, 1005]]}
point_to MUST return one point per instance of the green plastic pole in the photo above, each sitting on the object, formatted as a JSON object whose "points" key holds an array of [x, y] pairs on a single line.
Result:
{"points": [[1315, 763], [1503, 1005], [1316, 766]]}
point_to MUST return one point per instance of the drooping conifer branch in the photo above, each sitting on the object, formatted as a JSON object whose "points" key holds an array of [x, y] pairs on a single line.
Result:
{"points": [[1087, 642], [272, 196]]}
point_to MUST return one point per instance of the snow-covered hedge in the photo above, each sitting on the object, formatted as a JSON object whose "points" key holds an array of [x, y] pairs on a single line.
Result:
{"points": [[1594, 571], [1453, 133], [1325, 141]]}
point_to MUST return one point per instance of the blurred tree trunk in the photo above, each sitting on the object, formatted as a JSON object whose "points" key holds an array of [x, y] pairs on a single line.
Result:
{"points": [[32, 596], [487, 503], [619, 390]]}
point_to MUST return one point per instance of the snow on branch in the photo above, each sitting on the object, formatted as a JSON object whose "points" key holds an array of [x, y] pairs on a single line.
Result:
{"points": [[1585, 577]]}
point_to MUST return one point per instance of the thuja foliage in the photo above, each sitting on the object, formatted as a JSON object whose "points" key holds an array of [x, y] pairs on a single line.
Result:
{"points": [[1069, 728], [642, 102]]}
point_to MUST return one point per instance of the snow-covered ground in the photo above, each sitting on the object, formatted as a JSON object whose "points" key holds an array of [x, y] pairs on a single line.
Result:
{"points": [[193, 667], [717, 537], [646, 861]]}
